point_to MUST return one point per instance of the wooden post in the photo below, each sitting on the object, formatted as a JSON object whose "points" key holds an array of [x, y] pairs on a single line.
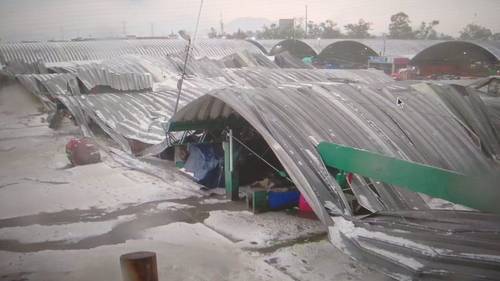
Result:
{"points": [[231, 176], [139, 266]]}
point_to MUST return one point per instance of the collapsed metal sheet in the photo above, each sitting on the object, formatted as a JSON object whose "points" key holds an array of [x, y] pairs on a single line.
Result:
{"points": [[287, 60], [137, 116], [46, 87], [493, 109], [294, 109], [424, 245], [423, 129], [140, 115]]}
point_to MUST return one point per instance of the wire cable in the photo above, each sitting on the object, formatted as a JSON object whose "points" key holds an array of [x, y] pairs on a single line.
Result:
{"points": [[261, 158]]}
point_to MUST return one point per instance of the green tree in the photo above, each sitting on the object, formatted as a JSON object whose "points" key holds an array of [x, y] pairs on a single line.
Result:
{"points": [[269, 32], [298, 32], [358, 30], [330, 30], [475, 32], [427, 31], [400, 28], [327, 29], [212, 33], [313, 30], [274, 32], [443, 36], [495, 36], [240, 35]]}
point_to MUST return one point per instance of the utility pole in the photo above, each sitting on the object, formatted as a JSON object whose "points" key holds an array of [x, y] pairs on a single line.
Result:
{"points": [[221, 25], [305, 36], [383, 38], [152, 26], [124, 28], [186, 59]]}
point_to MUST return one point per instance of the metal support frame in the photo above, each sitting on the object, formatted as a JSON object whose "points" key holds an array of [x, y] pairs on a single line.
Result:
{"points": [[231, 173], [479, 193]]}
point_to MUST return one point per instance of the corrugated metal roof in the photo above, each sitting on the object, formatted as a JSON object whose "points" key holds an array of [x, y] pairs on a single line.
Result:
{"points": [[294, 109], [425, 130], [140, 115], [204, 75], [358, 115], [389, 47], [106, 49]]}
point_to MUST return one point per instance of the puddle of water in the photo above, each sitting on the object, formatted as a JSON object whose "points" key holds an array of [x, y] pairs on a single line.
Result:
{"points": [[147, 217]]}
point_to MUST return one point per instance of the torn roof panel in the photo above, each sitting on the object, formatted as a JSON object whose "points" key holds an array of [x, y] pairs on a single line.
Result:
{"points": [[135, 116], [404, 238], [294, 110], [355, 115], [140, 115]]}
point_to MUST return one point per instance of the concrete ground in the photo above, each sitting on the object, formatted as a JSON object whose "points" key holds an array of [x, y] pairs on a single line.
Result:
{"points": [[64, 223]]}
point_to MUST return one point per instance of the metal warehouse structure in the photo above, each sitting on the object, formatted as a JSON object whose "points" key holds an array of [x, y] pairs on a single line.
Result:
{"points": [[456, 56], [355, 51], [129, 89], [401, 234], [106, 49], [388, 47]]}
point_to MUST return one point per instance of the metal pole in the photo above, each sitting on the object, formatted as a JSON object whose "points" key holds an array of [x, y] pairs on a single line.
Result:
{"points": [[139, 266], [305, 36], [383, 36], [191, 40], [179, 84], [231, 162]]}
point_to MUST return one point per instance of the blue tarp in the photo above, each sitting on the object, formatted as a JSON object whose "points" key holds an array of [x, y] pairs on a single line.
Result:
{"points": [[206, 162]]}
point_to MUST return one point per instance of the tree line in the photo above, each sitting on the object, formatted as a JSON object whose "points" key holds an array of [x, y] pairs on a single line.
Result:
{"points": [[400, 27]]}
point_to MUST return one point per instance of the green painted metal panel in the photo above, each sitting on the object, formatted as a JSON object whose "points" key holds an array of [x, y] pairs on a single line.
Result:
{"points": [[475, 192], [259, 201], [204, 125]]}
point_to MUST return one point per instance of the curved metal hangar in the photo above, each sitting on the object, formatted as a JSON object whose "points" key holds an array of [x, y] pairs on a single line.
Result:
{"points": [[393, 228]]}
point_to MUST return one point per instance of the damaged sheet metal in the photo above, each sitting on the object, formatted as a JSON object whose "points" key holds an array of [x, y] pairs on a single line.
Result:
{"points": [[136, 114], [493, 109], [47, 87], [295, 109], [141, 115], [423, 128], [424, 245]]}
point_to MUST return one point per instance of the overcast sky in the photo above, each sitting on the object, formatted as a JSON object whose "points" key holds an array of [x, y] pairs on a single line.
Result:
{"points": [[53, 19]]}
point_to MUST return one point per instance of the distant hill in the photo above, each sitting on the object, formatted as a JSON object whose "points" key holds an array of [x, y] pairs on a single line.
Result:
{"points": [[246, 24]]}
